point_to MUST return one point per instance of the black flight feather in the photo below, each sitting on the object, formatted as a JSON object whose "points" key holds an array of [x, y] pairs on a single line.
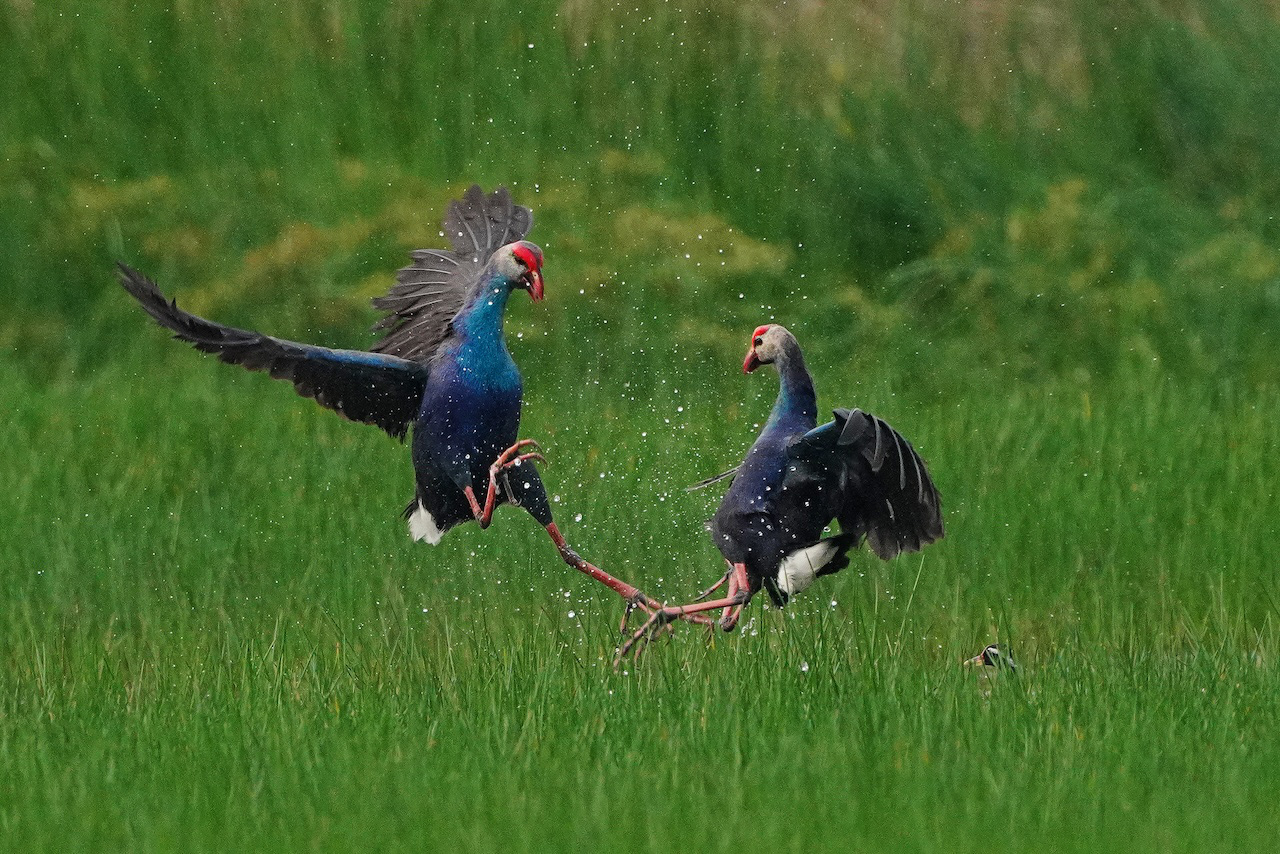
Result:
{"points": [[368, 387], [876, 481]]}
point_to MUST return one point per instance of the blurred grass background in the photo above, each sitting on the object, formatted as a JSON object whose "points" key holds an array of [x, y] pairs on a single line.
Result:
{"points": [[1039, 238], [1089, 188]]}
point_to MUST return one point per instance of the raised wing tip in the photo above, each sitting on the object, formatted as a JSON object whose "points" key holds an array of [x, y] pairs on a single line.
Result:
{"points": [[143, 289], [129, 276]]}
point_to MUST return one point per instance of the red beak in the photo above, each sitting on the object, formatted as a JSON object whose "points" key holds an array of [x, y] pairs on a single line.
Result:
{"points": [[751, 362], [534, 281]]}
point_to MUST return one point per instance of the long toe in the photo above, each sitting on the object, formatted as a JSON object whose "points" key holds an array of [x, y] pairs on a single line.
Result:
{"points": [[519, 445], [523, 458], [729, 621]]}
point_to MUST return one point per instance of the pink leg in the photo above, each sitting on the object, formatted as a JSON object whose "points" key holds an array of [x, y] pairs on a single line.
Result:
{"points": [[622, 588], [635, 599], [505, 460], [729, 617], [484, 515]]}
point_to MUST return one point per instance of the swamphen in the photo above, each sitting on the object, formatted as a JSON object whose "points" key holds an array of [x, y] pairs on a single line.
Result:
{"points": [[442, 367], [795, 480]]}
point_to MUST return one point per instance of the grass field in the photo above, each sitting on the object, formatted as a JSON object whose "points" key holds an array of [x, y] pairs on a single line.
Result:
{"points": [[1037, 239], [211, 640]]}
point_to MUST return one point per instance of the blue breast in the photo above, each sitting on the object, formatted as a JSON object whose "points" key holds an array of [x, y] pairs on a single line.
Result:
{"points": [[471, 409]]}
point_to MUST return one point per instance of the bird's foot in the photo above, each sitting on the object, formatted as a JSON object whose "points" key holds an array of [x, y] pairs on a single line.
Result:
{"points": [[635, 602], [660, 620], [640, 602], [729, 621], [662, 617], [507, 459], [513, 457]]}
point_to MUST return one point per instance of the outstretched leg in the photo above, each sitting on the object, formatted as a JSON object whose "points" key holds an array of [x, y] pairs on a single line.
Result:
{"points": [[635, 599]]}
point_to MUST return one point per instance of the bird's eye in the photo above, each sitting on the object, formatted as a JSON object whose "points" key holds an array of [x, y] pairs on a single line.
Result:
{"points": [[758, 341]]}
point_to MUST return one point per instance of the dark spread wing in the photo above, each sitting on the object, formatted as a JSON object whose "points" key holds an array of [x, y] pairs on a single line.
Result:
{"points": [[368, 387], [872, 480], [434, 288], [477, 224], [702, 484]]}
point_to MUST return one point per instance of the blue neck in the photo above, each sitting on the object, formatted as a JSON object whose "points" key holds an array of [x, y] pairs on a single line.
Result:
{"points": [[481, 346], [797, 403], [483, 318]]}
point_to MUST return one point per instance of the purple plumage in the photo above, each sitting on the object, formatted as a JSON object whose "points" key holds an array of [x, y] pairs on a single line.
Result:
{"points": [[442, 367], [798, 477]]}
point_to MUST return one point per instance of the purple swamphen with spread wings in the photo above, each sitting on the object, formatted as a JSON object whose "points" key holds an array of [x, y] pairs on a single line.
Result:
{"points": [[795, 480], [442, 367]]}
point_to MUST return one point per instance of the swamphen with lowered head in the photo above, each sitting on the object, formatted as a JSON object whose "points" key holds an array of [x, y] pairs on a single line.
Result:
{"points": [[442, 367], [795, 480]]}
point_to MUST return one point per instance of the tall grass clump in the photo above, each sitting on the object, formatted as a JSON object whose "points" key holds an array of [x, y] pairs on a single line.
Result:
{"points": [[1015, 170]]}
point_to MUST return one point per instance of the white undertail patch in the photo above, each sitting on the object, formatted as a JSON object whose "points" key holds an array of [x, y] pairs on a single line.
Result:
{"points": [[422, 526], [798, 569]]}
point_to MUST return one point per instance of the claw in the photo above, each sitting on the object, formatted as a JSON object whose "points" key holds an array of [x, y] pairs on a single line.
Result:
{"points": [[638, 602], [643, 636], [694, 612], [660, 620], [483, 513], [729, 621]]}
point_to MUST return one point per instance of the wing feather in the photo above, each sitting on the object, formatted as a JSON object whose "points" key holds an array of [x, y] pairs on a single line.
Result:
{"points": [[431, 291], [368, 387], [875, 481]]}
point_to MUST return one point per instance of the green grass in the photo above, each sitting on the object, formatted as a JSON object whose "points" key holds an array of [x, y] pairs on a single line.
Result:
{"points": [[1037, 238], [217, 634]]}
